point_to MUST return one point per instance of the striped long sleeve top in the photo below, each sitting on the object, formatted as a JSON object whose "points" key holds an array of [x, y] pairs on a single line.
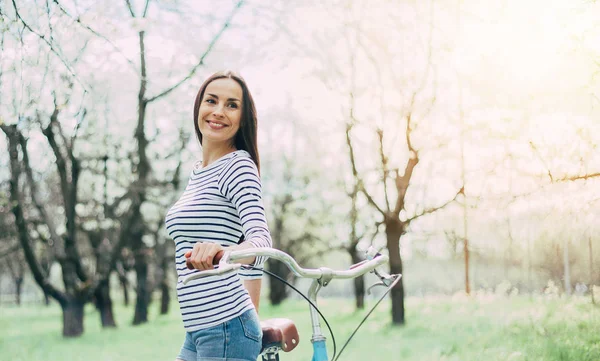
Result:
{"points": [[221, 203]]}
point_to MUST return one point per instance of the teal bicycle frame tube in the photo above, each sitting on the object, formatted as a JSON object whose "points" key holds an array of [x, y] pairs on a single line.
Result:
{"points": [[319, 351]]}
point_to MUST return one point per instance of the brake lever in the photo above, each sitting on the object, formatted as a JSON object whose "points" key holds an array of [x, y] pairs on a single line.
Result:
{"points": [[375, 285], [386, 278]]}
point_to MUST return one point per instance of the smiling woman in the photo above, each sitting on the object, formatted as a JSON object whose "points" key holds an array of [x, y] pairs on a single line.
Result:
{"points": [[226, 95], [221, 208]]}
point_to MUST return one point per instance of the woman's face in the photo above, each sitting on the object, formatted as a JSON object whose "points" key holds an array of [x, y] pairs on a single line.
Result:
{"points": [[220, 111]]}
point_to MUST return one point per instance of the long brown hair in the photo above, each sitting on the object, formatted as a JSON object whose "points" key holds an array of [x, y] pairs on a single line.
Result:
{"points": [[245, 138]]}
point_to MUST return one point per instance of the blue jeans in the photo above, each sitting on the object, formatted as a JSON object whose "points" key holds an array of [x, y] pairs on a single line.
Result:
{"points": [[239, 339]]}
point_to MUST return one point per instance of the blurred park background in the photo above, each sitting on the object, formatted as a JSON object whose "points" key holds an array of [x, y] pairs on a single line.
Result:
{"points": [[458, 136]]}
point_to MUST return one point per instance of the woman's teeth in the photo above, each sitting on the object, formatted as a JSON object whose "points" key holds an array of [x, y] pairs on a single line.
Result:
{"points": [[216, 125]]}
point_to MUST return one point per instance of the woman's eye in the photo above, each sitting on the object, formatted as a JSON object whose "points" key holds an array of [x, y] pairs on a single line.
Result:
{"points": [[211, 101], [233, 105]]}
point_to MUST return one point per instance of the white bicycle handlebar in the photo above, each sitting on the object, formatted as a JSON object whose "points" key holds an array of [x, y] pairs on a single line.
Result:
{"points": [[226, 264]]}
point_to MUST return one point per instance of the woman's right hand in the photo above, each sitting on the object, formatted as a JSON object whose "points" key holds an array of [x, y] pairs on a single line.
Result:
{"points": [[202, 256]]}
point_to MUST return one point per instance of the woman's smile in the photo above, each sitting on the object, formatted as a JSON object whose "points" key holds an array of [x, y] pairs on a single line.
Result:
{"points": [[216, 125]]}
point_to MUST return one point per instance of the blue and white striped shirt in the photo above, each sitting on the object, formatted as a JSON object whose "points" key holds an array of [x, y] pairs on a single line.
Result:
{"points": [[221, 202]]}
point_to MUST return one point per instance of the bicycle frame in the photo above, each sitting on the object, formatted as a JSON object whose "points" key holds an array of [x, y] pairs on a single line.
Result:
{"points": [[321, 278]]}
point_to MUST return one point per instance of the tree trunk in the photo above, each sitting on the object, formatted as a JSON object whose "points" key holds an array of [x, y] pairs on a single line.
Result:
{"points": [[393, 231], [163, 284], [18, 289], [142, 289], [277, 289], [165, 298], [104, 305], [467, 257], [103, 251], [124, 287], [529, 267], [359, 283], [591, 269], [567, 267], [72, 317], [46, 265]]}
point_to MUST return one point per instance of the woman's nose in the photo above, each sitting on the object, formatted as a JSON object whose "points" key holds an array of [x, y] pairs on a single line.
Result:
{"points": [[218, 110]]}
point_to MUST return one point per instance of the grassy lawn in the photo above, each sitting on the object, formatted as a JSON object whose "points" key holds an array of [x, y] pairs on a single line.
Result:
{"points": [[481, 328]]}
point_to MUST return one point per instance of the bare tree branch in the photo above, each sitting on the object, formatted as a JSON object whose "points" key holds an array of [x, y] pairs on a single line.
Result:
{"points": [[204, 55], [376, 232], [131, 11], [408, 131], [76, 131], [68, 181], [145, 12], [50, 45], [435, 209], [49, 21], [384, 162], [565, 178], [541, 159], [429, 54], [57, 244], [61, 162], [360, 182], [97, 34], [11, 268], [10, 251], [111, 208], [402, 183], [130, 8], [578, 177]]}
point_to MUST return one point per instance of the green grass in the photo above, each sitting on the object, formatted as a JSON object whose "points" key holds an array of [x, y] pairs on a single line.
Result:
{"points": [[480, 328]]}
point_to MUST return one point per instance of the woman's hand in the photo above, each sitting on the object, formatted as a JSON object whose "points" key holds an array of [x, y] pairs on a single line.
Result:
{"points": [[201, 257]]}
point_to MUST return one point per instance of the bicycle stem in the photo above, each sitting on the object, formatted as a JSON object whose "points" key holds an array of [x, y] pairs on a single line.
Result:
{"points": [[314, 316]]}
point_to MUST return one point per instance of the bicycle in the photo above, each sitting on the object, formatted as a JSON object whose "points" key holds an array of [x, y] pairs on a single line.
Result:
{"points": [[280, 334]]}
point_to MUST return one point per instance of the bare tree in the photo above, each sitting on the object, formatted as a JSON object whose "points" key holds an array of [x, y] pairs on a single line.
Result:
{"points": [[133, 225], [79, 284], [394, 203], [75, 293], [567, 258], [394, 225]]}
